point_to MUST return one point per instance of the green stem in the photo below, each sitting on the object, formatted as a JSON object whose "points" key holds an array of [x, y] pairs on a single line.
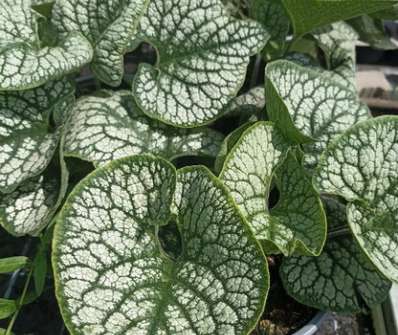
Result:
{"points": [[20, 302]]}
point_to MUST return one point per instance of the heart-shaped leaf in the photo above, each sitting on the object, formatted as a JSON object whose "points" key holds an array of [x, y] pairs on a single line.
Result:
{"points": [[338, 44], [108, 25], [114, 276], [309, 107], [362, 167], [203, 55], [310, 14], [104, 129], [341, 279], [27, 143], [24, 63], [297, 223]]}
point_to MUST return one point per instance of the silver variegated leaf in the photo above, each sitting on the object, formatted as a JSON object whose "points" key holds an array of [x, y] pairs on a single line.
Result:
{"points": [[203, 55], [29, 208], [338, 44], [24, 63], [341, 279], [113, 275], [108, 25], [27, 143], [251, 102], [101, 129], [297, 223], [309, 107], [361, 166]]}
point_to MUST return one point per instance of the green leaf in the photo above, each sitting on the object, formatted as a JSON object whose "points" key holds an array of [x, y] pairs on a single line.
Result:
{"points": [[310, 107], [337, 42], [297, 223], [11, 264], [7, 308], [113, 276], [27, 142], [104, 129], [40, 270], [203, 55], [24, 62], [272, 15], [310, 14], [341, 279], [109, 26], [361, 166], [372, 32]]}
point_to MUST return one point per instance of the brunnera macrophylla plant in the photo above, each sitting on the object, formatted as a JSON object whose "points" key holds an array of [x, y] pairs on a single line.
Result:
{"points": [[145, 244]]}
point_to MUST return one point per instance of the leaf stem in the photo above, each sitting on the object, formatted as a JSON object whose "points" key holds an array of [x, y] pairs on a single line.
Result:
{"points": [[20, 302]]}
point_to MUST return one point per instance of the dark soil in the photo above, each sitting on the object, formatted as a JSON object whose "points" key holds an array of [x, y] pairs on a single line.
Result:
{"points": [[283, 315]]}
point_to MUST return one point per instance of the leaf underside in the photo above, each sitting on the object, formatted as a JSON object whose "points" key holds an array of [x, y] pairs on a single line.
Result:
{"points": [[203, 55], [113, 277], [310, 14], [361, 166]]}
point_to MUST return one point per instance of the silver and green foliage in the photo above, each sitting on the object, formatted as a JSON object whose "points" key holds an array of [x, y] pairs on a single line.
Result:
{"points": [[296, 223], [309, 107], [202, 58], [115, 275], [361, 166], [147, 241], [29, 187], [342, 278], [102, 129], [24, 61], [108, 25], [337, 42], [28, 140]]}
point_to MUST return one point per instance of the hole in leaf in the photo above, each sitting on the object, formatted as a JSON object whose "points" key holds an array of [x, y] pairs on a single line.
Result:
{"points": [[170, 239], [273, 197]]}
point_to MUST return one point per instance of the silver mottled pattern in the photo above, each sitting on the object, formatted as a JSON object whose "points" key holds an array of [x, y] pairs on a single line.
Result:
{"points": [[319, 107], [104, 129], [26, 144], [338, 43], [29, 207], [341, 279], [23, 63], [113, 278], [203, 55], [109, 26], [297, 223], [362, 167]]}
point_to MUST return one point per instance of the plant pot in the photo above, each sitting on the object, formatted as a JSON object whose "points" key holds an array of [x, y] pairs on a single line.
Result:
{"points": [[314, 325], [385, 316]]}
